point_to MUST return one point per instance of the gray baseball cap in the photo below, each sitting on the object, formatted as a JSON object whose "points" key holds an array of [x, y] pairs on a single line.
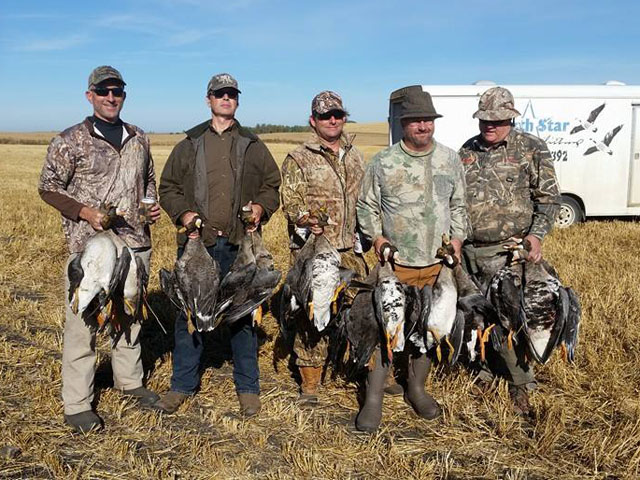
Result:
{"points": [[222, 80], [102, 73]]}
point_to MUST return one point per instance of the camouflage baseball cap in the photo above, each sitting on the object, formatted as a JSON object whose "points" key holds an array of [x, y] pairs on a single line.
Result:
{"points": [[222, 80], [325, 102], [102, 73], [496, 104]]}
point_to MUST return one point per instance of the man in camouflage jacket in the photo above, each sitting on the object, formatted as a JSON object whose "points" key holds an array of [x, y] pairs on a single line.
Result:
{"points": [[512, 193], [101, 161], [412, 193], [323, 174]]}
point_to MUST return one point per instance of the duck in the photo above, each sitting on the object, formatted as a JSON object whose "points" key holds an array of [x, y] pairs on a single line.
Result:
{"points": [[550, 313], [375, 318], [250, 282], [194, 283]]}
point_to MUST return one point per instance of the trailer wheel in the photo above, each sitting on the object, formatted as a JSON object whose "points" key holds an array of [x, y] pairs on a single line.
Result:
{"points": [[570, 212]]}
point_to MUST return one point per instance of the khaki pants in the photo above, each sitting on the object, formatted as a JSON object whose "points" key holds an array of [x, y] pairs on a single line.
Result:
{"points": [[418, 276], [511, 365], [311, 346], [79, 355]]}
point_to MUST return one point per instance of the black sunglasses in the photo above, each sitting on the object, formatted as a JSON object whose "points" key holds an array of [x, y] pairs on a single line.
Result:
{"points": [[104, 91], [229, 92], [337, 114]]}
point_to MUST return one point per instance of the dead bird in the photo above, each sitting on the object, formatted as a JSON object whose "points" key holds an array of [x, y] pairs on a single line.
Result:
{"points": [[193, 284], [376, 318], [477, 311], [249, 283], [550, 313], [313, 285], [95, 276]]}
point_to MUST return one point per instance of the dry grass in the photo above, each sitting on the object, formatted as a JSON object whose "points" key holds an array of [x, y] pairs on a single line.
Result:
{"points": [[588, 415]]}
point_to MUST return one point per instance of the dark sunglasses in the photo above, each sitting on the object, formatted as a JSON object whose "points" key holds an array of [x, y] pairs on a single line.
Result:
{"points": [[104, 91], [337, 114], [229, 92]]}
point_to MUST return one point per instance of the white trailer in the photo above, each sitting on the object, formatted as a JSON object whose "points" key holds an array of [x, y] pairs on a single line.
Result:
{"points": [[593, 133]]}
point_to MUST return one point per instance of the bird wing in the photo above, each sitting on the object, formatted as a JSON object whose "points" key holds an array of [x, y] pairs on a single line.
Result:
{"points": [[609, 136], [594, 113], [75, 273], [168, 286], [572, 325]]}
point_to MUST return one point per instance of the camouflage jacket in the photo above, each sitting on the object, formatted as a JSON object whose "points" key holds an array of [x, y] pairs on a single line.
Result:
{"points": [[412, 200], [511, 188], [82, 169], [314, 177]]}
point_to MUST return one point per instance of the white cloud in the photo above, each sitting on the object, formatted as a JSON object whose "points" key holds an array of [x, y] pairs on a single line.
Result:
{"points": [[51, 44]]}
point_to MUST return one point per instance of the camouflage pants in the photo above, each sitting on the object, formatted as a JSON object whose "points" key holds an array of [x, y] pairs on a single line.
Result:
{"points": [[510, 364], [311, 346]]}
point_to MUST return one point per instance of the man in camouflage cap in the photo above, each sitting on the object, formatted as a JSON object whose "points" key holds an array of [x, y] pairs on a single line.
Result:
{"points": [[512, 196], [323, 174], [98, 162], [412, 193], [219, 168]]}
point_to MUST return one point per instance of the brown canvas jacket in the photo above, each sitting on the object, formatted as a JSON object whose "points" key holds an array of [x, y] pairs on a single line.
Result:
{"points": [[313, 179], [83, 169], [183, 183]]}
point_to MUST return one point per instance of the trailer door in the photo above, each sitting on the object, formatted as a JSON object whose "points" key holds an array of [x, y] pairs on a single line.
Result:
{"points": [[634, 178]]}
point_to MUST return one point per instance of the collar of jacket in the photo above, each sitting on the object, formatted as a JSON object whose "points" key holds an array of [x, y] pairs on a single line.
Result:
{"points": [[197, 131], [315, 145], [131, 132]]}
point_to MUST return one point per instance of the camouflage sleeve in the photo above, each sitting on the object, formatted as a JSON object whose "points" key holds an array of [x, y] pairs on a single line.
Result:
{"points": [[58, 169], [294, 190], [368, 205], [544, 192], [457, 203]]}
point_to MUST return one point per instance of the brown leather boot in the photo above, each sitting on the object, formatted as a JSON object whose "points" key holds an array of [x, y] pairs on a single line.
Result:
{"points": [[423, 403], [520, 399], [249, 404], [170, 402], [370, 415], [311, 377]]}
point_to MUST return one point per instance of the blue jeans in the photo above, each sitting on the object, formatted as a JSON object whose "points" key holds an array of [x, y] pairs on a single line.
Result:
{"points": [[244, 341]]}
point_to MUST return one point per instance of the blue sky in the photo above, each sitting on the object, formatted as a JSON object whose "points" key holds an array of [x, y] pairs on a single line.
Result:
{"points": [[284, 52]]}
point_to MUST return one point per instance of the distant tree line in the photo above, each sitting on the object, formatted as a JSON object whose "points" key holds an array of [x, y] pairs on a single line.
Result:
{"points": [[271, 128]]}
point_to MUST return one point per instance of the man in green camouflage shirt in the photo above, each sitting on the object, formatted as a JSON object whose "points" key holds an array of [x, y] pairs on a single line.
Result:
{"points": [[412, 193], [512, 193], [323, 174]]}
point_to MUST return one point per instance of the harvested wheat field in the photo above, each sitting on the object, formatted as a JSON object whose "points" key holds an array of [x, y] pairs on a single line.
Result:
{"points": [[587, 415]]}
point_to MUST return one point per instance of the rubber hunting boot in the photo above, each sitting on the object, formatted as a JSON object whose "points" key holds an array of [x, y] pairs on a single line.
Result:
{"points": [[84, 422], [423, 403], [370, 415]]}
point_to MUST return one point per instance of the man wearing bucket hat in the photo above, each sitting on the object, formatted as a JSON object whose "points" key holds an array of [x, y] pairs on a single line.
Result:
{"points": [[412, 193], [512, 197], [99, 162], [323, 174], [216, 170]]}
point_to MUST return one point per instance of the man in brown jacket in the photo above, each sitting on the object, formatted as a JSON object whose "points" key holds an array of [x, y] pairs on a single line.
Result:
{"points": [[98, 162], [213, 173], [322, 174]]}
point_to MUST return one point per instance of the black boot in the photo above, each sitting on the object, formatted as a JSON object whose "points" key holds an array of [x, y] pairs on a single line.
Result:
{"points": [[370, 415], [423, 403], [84, 422]]}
